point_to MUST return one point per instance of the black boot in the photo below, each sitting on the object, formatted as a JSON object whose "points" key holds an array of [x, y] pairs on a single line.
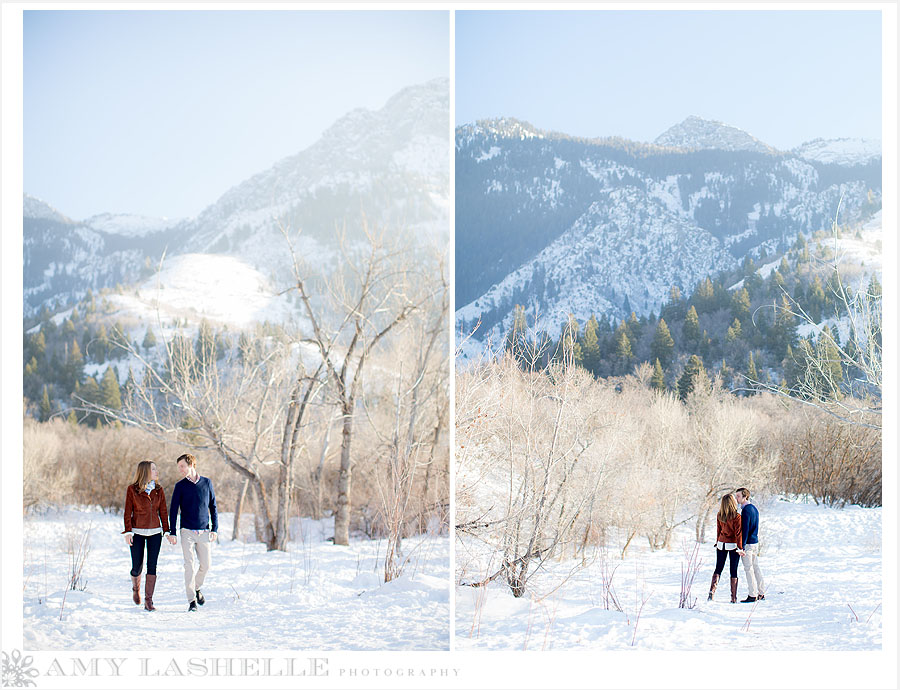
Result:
{"points": [[200, 598], [192, 606], [748, 600], [712, 586]]}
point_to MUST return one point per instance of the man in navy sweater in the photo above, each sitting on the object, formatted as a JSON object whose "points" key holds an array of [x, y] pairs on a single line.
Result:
{"points": [[195, 497], [750, 553]]}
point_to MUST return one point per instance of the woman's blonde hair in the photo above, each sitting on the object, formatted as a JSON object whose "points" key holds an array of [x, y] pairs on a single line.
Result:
{"points": [[727, 508], [142, 475]]}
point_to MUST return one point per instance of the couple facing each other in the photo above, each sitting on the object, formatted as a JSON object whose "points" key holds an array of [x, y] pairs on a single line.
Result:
{"points": [[736, 535], [147, 520]]}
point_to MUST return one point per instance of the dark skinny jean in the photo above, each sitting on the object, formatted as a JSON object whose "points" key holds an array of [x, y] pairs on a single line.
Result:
{"points": [[733, 559], [153, 543]]}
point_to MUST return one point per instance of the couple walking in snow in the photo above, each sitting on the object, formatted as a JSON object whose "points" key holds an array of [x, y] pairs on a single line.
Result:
{"points": [[737, 535], [147, 520]]}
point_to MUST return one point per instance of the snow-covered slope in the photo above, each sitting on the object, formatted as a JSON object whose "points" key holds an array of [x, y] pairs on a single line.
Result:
{"points": [[221, 289], [698, 133], [314, 596], [846, 151], [807, 607]]}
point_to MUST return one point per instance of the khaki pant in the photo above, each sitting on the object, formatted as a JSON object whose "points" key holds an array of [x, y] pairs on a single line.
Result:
{"points": [[193, 539], [750, 559]]}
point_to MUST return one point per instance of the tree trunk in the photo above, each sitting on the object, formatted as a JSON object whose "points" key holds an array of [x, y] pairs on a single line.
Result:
{"points": [[238, 510], [342, 514]]}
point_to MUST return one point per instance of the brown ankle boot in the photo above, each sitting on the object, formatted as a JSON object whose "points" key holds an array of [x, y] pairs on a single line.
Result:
{"points": [[136, 589], [712, 586], [734, 582], [149, 586]]}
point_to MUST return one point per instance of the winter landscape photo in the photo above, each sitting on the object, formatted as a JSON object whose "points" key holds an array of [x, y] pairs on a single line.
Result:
{"points": [[236, 364], [669, 268]]}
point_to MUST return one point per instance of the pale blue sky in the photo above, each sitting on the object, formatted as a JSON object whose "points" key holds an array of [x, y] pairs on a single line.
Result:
{"points": [[783, 76], [160, 112]]}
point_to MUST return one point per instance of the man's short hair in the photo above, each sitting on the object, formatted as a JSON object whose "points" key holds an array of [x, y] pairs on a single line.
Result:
{"points": [[188, 458], [743, 492]]}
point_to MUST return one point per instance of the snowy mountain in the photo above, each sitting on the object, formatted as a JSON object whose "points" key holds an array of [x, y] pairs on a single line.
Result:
{"points": [[564, 225], [65, 258], [129, 225], [389, 167], [845, 151], [697, 133]]}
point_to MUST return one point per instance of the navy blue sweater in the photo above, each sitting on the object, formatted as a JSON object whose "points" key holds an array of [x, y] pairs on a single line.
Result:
{"points": [[197, 503], [749, 523]]}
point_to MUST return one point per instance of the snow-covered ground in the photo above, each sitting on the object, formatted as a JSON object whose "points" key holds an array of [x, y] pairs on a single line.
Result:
{"points": [[317, 596], [822, 568]]}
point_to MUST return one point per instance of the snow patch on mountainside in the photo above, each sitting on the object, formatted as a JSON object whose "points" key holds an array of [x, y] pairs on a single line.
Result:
{"points": [[129, 225], [844, 151], [222, 289]]}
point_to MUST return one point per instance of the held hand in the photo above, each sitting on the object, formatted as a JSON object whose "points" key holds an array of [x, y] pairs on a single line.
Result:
{"points": [[129, 539], [212, 536], [172, 539]]}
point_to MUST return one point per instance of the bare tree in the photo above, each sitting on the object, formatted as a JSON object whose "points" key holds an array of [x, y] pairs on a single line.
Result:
{"points": [[248, 408], [365, 300]]}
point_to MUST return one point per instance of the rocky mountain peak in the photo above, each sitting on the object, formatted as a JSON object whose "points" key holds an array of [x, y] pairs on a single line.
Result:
{"points": [[698, 133]]}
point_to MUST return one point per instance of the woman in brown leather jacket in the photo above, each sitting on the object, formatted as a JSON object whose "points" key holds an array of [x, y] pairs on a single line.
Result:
{"points": [[146, 519], [728, 542]]}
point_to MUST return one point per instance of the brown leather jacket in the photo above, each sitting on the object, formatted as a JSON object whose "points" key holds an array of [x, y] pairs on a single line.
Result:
{"points": [[730, 532], [143, 511]]}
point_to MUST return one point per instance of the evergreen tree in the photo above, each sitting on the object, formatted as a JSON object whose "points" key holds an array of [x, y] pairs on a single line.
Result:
{"points": [[110, 395], [830, 368], [624, 353], [658, 380], [705, 296], [590, 346], [784, 330], [74, 366], [692, 371], [72, 419], [691, 327], [740, 304], [734, 332], [38, 345], [45, 409], [100, 345], [149, 339], [815, 300], [663, 345], [752, 373]]}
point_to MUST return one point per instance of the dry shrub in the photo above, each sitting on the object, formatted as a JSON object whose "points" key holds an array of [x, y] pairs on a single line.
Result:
{"points": [[834, 462]]}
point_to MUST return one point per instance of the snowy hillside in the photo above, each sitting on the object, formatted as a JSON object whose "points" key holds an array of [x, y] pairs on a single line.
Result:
{"points": [[222, 289], [697, 133], [844, 151], [315, 596], [563, 225], [590, 267], [821, 566]]}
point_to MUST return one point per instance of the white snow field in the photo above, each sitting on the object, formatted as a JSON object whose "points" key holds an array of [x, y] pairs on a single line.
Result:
{"points": [[822, 568], [317, 596]]}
